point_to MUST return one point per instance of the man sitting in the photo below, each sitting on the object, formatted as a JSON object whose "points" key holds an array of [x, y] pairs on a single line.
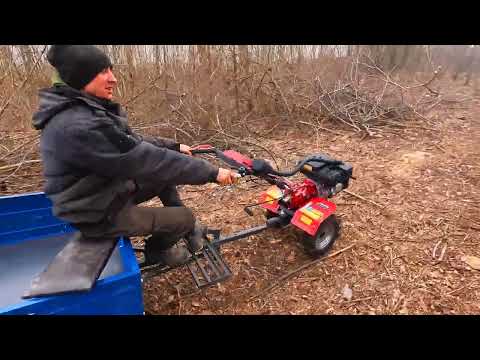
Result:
{"points": [[98, 170]]}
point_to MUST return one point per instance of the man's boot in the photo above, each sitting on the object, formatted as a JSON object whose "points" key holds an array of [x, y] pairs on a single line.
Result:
{"points": [[196, 239], [174, 256], [156, 253]]}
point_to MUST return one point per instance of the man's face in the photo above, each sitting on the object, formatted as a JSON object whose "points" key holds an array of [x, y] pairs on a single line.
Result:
{"points": [[103, 84]]}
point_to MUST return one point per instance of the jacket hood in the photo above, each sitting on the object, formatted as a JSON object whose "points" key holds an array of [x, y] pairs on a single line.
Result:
{"points": [[59, 98]]}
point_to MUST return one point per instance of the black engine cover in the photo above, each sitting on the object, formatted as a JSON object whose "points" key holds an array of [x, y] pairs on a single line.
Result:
{"points": [[327, 171]]}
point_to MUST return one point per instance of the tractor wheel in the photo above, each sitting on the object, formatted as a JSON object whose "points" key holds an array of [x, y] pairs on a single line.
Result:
{"points": [[323, 240]]}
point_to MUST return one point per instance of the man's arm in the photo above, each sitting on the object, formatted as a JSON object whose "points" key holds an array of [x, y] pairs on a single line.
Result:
{"points": [[157, 141], [166, 143], [162, 142], [109, 152]]}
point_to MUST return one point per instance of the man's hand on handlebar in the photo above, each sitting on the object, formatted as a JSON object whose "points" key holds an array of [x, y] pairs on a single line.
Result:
{"points": [[226, 177], [185, 149]]}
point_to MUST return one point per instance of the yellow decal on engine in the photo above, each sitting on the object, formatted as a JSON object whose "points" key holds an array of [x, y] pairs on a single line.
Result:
{"points": [[314, 216], [274, 192], [312, 213], [268, 199], [305, 220]]}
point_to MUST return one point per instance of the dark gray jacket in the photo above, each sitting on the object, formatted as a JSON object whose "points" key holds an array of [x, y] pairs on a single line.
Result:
{"points": [[91, 158]]}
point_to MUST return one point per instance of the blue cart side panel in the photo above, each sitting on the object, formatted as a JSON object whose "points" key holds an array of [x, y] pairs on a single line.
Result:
{"points": [[28, 217], [22, 202]]}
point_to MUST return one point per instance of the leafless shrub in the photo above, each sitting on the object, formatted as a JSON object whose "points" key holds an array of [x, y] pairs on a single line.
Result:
{"points": [[225, 93]]}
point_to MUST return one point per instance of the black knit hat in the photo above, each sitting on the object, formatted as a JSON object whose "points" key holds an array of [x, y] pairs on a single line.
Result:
{"points": [[77, 65]]}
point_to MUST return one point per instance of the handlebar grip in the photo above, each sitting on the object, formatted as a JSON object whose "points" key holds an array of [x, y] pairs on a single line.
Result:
{"points": [[203, 151]]}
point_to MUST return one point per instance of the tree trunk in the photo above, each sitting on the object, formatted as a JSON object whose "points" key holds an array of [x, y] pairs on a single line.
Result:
{"points": [[235, 78], [244, 58]]}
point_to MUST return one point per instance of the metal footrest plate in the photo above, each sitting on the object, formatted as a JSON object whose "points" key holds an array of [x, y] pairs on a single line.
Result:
{"points": [[208, 267]]}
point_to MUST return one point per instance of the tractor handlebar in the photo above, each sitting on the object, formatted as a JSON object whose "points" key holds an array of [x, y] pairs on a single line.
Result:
{"points": [[257, 167]]}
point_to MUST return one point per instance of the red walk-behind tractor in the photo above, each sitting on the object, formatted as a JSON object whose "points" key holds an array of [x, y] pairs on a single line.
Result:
{"points": [[302, 204]]}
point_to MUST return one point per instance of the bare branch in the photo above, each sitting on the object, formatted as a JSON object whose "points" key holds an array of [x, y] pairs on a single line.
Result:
{"points": [[7, 102]]}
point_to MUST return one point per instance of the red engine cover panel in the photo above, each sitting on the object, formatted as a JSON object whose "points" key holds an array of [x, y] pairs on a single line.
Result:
{"points": [[242, 159], [301, 193], [311, 215]]}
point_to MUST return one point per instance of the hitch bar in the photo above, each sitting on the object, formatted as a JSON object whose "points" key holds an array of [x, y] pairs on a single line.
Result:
{"points": [[217, 241]]}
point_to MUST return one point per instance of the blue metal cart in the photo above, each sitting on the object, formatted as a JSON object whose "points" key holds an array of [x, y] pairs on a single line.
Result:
{"points": [[30, 237]]}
